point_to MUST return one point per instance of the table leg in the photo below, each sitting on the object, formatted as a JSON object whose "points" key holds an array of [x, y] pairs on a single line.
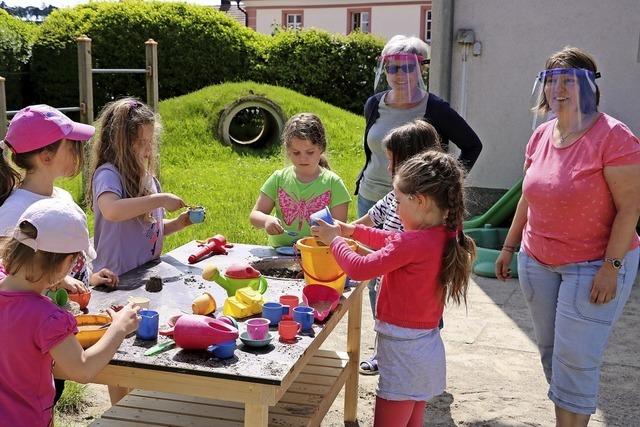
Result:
{"points": [[353, 349], [256, 415]]}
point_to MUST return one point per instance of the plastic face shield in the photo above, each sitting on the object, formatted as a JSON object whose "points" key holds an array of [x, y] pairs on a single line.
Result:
{"points": [[563, 89], [401, 74]]}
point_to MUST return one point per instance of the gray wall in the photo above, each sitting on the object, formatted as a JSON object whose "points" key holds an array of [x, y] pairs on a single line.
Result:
{"points": [[517, 36]]}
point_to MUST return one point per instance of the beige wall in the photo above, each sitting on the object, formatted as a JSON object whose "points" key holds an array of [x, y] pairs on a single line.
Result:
{"points": [[386, 20], [517, 36]]}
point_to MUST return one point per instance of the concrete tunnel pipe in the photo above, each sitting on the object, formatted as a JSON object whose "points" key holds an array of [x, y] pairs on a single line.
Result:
{"points": [[251, 121]]}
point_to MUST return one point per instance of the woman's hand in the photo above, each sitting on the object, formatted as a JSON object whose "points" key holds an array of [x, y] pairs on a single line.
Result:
{"points": [[605, 284], [171, 202], [325, 233], [272, 226], [502, 270], [104, 277]]}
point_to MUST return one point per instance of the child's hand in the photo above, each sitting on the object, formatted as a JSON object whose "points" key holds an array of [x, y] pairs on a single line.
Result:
{"points": [[104, 277], [346, 230], [325, 232], [272, 226], [73, 286], [126, 320], [171, 202]]}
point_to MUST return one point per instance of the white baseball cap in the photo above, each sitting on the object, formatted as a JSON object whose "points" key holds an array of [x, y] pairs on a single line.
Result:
{"points": [[61, 226]]}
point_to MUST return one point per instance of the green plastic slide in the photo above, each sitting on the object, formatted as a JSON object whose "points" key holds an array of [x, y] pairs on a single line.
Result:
{"points": [[500, 211]]}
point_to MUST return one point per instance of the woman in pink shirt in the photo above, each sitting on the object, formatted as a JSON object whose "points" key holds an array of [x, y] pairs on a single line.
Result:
{"points": [[575, 223]]}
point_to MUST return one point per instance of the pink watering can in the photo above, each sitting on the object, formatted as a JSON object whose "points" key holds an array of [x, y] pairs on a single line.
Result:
{"points": [[196, 332]]}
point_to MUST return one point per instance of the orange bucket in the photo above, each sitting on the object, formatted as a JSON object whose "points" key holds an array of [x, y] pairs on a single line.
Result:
{"points": [[319, 265]]}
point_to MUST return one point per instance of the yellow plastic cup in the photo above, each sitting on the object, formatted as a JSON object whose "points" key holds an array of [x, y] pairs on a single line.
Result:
{"points": [[204, 304]]}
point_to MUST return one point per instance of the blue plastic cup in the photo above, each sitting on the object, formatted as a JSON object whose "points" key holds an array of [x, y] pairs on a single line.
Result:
{"points": [[274, 312], [196, 214], [223, 350], [323, 214], [304, 316], [148, 326]]}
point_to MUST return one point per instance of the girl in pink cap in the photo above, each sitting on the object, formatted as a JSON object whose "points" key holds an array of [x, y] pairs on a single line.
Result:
{"points": [[34, 332]]}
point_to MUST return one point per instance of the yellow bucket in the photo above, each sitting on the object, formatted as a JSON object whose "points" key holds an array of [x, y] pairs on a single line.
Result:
{"points": [[319, 265]]}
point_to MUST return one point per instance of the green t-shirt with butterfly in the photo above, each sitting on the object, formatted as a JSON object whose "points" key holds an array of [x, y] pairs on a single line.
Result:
{"points": [[295, 200]]}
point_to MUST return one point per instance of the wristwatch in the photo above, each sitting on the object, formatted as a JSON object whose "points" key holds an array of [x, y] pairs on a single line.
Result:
{"points": [[615, 262]]}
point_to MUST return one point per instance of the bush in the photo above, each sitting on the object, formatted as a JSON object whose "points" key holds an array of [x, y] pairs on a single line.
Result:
{"points": [[16, 40], [197, 46], [337, 69]]}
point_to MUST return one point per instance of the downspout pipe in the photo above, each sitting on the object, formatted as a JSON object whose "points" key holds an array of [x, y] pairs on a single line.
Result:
{"points": [[441, 48], [246, 16]]}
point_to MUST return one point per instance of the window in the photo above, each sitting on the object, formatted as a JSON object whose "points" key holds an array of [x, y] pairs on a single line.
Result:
{"points": [[359, 20], [292, 19], [425, 23], [427, 27]]}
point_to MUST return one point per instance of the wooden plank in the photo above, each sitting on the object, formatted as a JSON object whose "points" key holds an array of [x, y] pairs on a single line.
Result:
{"points": [[354, 326], [184, 398], [256, 415], [103, 422], [152, 417], [217, 408]]}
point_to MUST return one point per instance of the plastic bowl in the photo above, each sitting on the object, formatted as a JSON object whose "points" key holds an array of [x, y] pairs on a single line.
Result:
{"points": [[322, 299], [88, 332], [81, 298]]}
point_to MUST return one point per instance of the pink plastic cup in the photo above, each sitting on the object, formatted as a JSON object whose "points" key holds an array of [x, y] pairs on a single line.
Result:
{"points": [[258, 328]]}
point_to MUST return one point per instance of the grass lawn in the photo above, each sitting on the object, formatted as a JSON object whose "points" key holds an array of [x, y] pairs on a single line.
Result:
{"points": [[196, 166]]}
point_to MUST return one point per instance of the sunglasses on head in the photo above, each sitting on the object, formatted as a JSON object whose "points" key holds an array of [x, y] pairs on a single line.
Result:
{"points": [[405, 68]]}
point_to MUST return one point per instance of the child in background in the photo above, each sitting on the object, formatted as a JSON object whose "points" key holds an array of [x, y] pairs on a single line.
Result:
{"points": [[126, 197], [422, 267], [34, 332], [47, 145], [301, 189], [401, 144]]}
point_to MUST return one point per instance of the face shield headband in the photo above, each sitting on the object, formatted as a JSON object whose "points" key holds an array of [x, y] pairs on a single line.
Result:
{"points": [[563, 89], [400, 74]]}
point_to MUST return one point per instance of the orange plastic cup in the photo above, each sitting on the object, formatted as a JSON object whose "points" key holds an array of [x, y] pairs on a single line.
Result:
{"points": [[292, 302], [288, 329], [204, 304]]}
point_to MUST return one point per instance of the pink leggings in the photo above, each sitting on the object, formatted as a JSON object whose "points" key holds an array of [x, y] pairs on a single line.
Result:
{"points": [[392, 413]]}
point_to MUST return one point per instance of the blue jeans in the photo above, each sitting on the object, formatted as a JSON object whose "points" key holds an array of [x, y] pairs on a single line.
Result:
{"points": [[571, 332]]}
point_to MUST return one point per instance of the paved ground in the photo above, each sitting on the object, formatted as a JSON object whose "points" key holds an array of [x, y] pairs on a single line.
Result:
{"points": [[494, 374]]}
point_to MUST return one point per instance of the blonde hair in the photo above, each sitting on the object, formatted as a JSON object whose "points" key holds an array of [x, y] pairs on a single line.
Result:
{"points": [[38, 264], [118, 127], [440, 177], [306, 126]]}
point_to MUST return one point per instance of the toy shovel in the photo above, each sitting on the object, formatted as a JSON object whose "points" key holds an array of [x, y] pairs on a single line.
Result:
{"points": [[159, 348]]}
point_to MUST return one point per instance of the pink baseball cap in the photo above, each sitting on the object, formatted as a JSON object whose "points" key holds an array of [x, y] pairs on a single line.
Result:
{"points": [[37, 126], [61, 226]]}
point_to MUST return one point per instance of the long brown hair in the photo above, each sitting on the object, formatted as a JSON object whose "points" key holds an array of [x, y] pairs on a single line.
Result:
{"points": [[10, 177], [38, 264], [306, 126], [440, 177], [118, 127]]}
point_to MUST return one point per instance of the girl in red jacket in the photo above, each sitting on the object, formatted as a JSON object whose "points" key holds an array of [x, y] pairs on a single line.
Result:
{"points": [[421, 268]]}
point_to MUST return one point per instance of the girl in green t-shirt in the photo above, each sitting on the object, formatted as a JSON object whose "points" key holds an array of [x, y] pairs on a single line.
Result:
{"points": [[301, 189]]}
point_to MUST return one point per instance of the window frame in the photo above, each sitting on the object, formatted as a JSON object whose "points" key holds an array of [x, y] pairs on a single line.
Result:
{"points": [[350, 15], [292, 12]]}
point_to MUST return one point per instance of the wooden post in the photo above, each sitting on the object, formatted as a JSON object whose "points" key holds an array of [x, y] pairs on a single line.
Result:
{"points": [[3, 110], [151, 48], [354, 323], [85, 78]]}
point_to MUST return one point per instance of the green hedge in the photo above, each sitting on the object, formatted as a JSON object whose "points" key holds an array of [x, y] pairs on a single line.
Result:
{"points": [[197, 46], [337, 69], [16, 39]]}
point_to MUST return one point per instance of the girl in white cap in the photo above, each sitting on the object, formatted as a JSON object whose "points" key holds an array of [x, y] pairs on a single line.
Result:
{"points": [[34, 332]]}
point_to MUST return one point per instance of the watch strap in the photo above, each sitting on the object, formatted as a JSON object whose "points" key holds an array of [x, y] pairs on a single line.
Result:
{"points": [[615, 262]]}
